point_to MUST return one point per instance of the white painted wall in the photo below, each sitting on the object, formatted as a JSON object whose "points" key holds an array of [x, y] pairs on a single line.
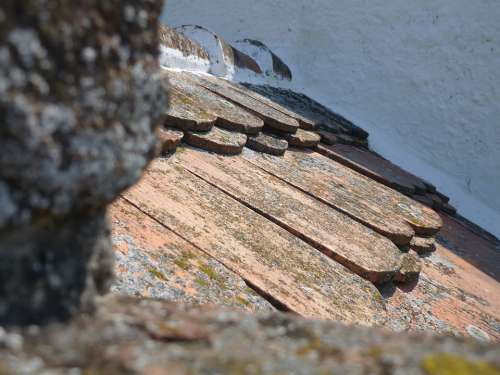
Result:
{"points": [[423, 77]]}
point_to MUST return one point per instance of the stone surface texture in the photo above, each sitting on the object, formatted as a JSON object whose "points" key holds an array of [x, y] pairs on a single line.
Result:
{"points": [[129, 336], [79, 103], [48, 272]]}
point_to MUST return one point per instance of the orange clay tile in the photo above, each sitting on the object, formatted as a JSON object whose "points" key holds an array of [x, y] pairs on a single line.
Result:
{"points": [[152, 261], [295, 275], [359, 248], [334, 193]]}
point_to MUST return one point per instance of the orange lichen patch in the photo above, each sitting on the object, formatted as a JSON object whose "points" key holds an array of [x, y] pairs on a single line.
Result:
{"points": [[360, 249], [160, 264], [462, 317], [271, 259], [479, 250], [453, 294], [470, 284]]}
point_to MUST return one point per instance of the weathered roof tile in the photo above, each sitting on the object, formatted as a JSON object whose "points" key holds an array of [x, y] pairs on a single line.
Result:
{"points": [[360, 249], [217, 140], [268, 144], [229, 115], [375, 167], [304, 122], [265, 255], [422, 219], [272, 117], [152, 261], [184, 113], [169, 139], [303, 138], [423, 245], [409, 268], [310, 109], [301, 171]]}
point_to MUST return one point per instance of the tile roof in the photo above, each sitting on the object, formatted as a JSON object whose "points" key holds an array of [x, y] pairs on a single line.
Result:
{"points": [[305, 218]]}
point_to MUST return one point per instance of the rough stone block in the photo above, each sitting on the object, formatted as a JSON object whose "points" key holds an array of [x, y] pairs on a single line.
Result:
{"points": [[79, 103]]}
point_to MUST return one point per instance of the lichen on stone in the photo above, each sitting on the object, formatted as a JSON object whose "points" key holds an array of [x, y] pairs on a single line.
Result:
{"points": [[451, 364]]}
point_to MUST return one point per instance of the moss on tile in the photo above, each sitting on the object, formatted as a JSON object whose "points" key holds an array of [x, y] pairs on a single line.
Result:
{"points": [[451, 364], [184, 260], [157, 274], [212, 274], [201, 282], [242, 301]]}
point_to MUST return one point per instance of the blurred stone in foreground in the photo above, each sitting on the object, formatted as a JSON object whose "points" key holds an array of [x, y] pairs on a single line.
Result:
{"points": [[129, 336], [79, 101]]}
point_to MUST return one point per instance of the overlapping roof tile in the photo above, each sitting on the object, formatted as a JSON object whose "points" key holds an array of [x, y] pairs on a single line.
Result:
{"points": [[277, 263], [305, 230], [229, 115], [152, 261], [362, 250]]}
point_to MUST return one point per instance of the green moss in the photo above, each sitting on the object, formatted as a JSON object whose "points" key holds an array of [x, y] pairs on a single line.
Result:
{"points": [[209, 271], [212, 274], [375, 352], [377, 297], [180, 149], [316, 345], [183, 260], [243, 301], [201, 282], [157, 273], [250, 291], [450, 364]]}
